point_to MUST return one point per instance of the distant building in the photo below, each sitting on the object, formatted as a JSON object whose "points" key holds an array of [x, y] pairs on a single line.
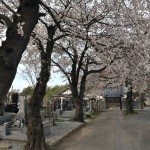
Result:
{"points": [[12, 97], [113, 95], [63, 100]]}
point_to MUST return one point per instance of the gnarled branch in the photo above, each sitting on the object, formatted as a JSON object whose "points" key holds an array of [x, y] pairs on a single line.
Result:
{"points": [[5, 20]]}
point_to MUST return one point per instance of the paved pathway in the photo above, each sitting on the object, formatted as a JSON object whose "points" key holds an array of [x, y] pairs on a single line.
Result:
{"points": [[112, 130]]}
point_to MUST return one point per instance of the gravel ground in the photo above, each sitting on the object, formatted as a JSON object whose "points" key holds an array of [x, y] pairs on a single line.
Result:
{"points": [[57, 132], [13, 145]]}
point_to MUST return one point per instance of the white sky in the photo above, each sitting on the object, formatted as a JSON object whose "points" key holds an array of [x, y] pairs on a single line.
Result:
{"points": [[19, 83]]}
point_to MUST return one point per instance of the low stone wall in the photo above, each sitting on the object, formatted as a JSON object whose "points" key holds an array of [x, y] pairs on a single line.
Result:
{"points": [[136, 105], [46, 126], [8, 128], [102, 105], [5, 118]]}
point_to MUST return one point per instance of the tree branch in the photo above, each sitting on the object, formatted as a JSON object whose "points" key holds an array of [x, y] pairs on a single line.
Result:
{"points": [[44, 23], [97, 71], [81, 58], [57, 64], [7, 6], [5, 19], [61, 36], [38, 42], [2, 22], [52, 15], [69, 54]]}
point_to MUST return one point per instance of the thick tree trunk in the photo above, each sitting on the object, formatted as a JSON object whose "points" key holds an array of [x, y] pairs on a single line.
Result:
{"points": [[15, 44], [78, 103], [35, 132], [2, 106], [129, 99], [78, 110], [129, 102], [78, 98]]}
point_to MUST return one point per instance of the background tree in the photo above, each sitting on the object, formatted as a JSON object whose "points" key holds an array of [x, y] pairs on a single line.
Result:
{"points": [[35, 126], [134, 67], [30, 65], [45, 45], [27, 91], [97, 43], [51, 91]]}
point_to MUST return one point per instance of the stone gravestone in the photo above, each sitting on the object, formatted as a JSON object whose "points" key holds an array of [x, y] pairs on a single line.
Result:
{"points": [[20, 120], [22, 114]]}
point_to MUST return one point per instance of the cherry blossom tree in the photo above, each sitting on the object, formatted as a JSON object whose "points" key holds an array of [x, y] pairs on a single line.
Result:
{"points": [[120, 31], [131, 71], [29, 67], [88, 36], [90, 50], [35, 126], [45, 45]]}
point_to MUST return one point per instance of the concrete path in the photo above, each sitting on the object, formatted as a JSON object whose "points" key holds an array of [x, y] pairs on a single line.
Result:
{"points": [[112, 130]]}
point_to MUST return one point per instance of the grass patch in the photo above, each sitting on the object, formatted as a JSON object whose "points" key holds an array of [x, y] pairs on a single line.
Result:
{"points": [[124, 112], [59, 120], [92, 115]]}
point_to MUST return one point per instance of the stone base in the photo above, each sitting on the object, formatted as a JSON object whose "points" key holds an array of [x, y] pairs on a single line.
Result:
{"points": [[6, 118]]}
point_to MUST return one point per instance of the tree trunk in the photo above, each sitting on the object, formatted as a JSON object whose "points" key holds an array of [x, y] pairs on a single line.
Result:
{"points": [[129, 99], [79, 116], [78, 110], [2, 107], [129, 102], [35, 132], [78, 98], [78, 103], [15, 44]]}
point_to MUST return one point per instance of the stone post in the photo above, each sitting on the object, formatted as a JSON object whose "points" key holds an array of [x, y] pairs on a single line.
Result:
{"points": [[5, 131], [21, 127], [61, 103]]}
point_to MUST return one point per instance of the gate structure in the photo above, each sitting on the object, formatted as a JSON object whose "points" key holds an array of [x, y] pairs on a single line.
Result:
{"points": [[113, 97]]}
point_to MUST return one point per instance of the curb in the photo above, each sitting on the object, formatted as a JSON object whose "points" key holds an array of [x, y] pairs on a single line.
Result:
{"points": [[4, 147], [66, 135]]}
